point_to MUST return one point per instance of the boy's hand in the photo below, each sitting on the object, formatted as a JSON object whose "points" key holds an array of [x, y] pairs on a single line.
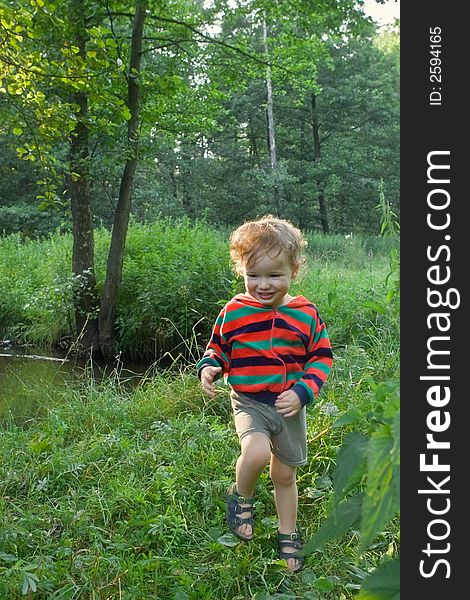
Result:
{"points": [[208, 375], [288, 403]]}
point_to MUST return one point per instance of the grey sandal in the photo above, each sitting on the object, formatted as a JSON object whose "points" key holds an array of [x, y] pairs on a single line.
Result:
{"points": [[291, 540], [235, 509]]}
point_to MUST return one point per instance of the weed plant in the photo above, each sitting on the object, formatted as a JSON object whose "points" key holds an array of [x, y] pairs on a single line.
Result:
{"points": [[174, 275]]}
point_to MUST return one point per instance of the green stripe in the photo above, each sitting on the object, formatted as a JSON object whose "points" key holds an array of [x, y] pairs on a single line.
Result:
{"points": [[294, 375], [266, 344], [254, 379], [322, 334], [295, 313], [318, 365], [241, 312], [207, 361]]}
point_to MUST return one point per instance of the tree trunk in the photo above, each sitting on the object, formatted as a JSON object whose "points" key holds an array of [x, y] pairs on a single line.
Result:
{"points": [[316, 156], [121, 217], [86, 306], [270, 114], [253, 145]]}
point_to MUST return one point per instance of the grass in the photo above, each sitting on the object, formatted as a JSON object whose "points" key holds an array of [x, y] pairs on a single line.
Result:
{"points": [[175, 276], [113, 493]]}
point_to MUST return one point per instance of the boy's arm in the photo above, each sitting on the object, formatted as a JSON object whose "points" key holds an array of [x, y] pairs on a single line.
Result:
{"points": [[318, 365], [217, 352]]}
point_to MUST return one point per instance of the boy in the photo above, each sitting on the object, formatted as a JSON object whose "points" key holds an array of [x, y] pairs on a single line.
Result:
{"points": [[275, 353]]}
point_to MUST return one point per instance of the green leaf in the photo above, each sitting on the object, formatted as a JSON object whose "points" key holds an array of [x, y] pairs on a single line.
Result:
{"points": [[386, 389], [346, 515], [7, 557], [375, 306], [228, 540], [39, 445], [324, 584], [351, 456], [353, 415], [381, 501], [17, 130], [395, 452], [383, 583]]}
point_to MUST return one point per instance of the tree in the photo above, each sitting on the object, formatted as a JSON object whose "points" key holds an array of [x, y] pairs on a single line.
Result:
{"points": [[121, 216], [82, 89]]}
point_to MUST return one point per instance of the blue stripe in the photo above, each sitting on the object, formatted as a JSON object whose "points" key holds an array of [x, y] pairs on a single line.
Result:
{"points": [[254, 361], [264, 397], [314, 378], [250, 328], [216, 339], [285, 325], [302, 394], [320, 352]]}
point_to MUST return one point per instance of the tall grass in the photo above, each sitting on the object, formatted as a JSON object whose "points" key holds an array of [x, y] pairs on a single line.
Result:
{"points": [[176, 275]]}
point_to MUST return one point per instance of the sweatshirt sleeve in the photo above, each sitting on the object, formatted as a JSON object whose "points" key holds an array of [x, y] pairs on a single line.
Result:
{"points": [[318, 364], [218, 351]]}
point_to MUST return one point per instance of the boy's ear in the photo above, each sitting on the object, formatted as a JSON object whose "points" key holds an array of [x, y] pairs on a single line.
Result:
{"points": [[295, 271]]}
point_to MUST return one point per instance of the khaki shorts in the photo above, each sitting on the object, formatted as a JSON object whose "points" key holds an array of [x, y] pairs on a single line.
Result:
{"points": [[288, 436]]}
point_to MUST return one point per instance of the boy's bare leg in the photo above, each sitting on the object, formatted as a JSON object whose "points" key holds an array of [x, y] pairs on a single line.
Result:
{"points": [[255, 455], [285, 490]]}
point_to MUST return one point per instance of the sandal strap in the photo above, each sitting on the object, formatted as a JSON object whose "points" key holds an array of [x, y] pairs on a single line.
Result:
{"points": [[241, 500], [291, 537], [236, 506], [289, 540], [235, 497]]}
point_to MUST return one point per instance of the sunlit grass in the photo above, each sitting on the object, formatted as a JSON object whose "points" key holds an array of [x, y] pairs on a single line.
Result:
{"points": [[117, 492]]}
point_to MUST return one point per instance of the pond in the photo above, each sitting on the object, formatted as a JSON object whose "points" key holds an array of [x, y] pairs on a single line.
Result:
{"points": [[26, 375]]}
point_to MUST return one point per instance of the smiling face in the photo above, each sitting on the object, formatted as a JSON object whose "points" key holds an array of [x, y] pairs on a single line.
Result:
{"points": [[268, 279]]}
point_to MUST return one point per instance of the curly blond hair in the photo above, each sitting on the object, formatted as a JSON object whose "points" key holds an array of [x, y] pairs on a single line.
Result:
{"points": [[268, 235]]}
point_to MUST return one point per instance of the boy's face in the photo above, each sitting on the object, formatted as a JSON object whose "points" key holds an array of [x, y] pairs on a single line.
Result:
{"points": [[268, 279]]}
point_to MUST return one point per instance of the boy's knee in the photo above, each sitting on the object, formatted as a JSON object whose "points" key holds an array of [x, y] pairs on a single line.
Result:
{"points": [[257, 458], [256, 453], [282, 474]]}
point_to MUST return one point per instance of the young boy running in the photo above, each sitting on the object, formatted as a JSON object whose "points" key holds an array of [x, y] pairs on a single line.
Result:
{"points": [[274, 351]]}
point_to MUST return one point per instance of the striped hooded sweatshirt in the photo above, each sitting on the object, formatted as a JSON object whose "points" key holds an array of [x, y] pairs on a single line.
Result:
{"points": [[265, 350]]}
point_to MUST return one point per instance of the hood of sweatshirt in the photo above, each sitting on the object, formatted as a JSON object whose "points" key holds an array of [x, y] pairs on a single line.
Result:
{"points": [[296, 302]]}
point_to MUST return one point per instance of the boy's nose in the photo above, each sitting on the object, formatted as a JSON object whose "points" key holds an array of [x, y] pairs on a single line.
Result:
{"points": [[263, 284]]}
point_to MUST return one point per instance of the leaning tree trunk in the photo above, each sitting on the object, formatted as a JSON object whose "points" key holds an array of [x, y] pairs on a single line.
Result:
{"points": [[316, 156], [121, 217], [86, 300]]}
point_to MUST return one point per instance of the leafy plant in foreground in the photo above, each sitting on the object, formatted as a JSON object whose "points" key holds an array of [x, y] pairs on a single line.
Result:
{"points": [[370, 465]]}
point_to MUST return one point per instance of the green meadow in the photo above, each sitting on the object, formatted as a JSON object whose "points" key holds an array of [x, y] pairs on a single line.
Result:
{"points": [[115, 492]]}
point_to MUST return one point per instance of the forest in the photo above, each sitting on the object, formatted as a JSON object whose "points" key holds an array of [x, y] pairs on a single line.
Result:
{"points": [[134, 137]]}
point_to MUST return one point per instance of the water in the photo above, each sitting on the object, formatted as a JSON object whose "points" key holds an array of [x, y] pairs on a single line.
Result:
{"points": [[28, 377]]}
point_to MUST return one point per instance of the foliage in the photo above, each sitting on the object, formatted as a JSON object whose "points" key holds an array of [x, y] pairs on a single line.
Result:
{"points": [[175, 276], [118, 491], [210, 162], [366, 488], [175, 273]]}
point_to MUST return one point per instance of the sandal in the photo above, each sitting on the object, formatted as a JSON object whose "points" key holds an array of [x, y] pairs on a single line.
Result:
{"points": [[235, 508], [291, 540]]}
